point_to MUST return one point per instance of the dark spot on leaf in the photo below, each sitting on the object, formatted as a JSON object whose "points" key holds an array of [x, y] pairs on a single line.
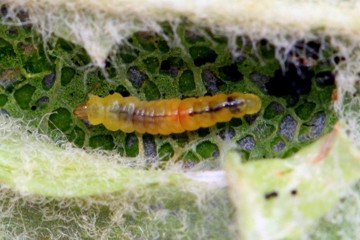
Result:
{"points": [[202, 55], [202, 132], [122, 90], [309, 49], [12, 31], [247, 143], [48, 81], [149, 148], [250, 118], [131, 145], [288, 127], [338, 59], [42, 101], [235, 122], [273, 109], [227, 133], [315, 127], [136, 77], [260, 80], [171, 66], [294, 81], [325, 78], [212, 83], [271, 195], [230, 73], [279, 146]]}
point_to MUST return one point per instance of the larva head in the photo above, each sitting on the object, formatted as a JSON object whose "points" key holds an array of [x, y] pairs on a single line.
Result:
{"points": [[80, 111], [243, 104]]}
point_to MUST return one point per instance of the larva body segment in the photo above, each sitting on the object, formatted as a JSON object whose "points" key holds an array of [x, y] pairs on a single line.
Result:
{"points": [[166, 116]]}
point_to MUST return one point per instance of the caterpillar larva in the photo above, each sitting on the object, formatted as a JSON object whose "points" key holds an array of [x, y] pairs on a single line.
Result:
{"points": [[165, 116]]}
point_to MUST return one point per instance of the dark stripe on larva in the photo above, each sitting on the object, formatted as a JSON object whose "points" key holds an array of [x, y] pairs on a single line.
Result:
{"points": [[136, 113], [233, 105]]}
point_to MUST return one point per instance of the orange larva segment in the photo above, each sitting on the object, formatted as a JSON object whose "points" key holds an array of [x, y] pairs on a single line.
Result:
{"points": [[150, 118], [139, 117], [223, 115], [219, 112], [202, 112], [171, 122], [160, 117], [186, 108], [127, 111], [165, 116]]}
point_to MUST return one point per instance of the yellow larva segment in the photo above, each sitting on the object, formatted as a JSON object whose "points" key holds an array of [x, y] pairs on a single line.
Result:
{"points": [[211, 117], [203, 117], [126, 123], [155, 110], [139, 117], [96, 110], [224, 114], [150, 123], [166, 116], [186, 108], [252, 104], [172, 121]]}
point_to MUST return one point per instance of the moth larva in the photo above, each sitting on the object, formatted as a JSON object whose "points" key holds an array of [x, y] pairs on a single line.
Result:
{"points": [[165, 116]]}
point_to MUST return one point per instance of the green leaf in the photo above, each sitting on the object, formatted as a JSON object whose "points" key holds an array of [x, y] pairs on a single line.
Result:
{"points": [[286, 198]]}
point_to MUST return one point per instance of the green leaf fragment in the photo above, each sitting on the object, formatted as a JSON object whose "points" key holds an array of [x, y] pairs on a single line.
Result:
{"points": [[49, 170], [284, 199]]}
